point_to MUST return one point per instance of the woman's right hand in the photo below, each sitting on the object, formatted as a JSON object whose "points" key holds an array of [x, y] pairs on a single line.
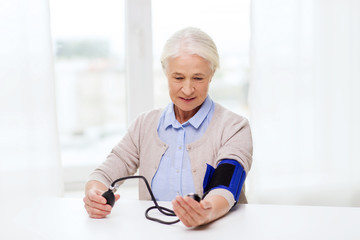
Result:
{"points": [[95, 204]]}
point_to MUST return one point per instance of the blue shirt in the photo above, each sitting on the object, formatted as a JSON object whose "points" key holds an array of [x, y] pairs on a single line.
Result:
{"points": [[174, 176]]}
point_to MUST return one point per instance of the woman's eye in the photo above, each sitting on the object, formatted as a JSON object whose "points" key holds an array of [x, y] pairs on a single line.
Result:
{"points": [[179, 78], [199, 79]]}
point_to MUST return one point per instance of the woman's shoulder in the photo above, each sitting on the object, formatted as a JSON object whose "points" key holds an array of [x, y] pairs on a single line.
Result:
{"points": [[225, 115], [152, 113], [149, 117]]}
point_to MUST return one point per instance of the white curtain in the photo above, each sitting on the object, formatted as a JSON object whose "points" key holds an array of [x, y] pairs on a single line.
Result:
{"points": [[29, 151], [305, 102]]}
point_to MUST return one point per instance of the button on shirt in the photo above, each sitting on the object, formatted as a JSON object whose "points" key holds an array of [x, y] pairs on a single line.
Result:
{"points": [[173, 176]]}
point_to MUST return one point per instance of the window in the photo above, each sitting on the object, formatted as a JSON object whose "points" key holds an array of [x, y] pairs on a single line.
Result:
{"points": [[88, 38], [92, 101]]}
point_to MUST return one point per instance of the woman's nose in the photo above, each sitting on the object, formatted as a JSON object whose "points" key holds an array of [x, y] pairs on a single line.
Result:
{"points": [[187, 87]]}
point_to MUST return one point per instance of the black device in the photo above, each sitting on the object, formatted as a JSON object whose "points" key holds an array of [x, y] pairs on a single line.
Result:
{"points": [[194, 196], [110, 199]]}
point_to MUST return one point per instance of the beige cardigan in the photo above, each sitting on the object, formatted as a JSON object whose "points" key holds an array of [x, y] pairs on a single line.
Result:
{"points": [[228, 136]]}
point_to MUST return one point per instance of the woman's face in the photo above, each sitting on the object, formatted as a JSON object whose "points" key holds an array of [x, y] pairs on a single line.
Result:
{"points": [[189, 77]]}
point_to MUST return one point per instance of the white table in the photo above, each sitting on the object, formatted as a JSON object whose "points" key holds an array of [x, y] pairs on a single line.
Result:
{"points": [[65, 218]]}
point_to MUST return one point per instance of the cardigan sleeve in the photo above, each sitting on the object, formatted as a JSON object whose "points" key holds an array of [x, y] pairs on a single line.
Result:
{"points": [[123, 159], [236, 142]]}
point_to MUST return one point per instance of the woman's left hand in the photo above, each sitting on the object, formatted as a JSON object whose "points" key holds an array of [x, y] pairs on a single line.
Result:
{"points": [[192, 213]]}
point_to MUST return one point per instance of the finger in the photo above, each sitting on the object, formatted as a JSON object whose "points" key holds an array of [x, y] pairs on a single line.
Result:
{"points": [[180, 213], [117, 197], [100, 206], [89, 202], [194, 205], [205, 204], [96, 213], [188, 213], [96, 197], [97, 216], [194, 212], [95, 210], [202, 209]]}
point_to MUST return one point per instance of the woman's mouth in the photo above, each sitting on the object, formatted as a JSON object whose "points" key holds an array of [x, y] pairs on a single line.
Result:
{"points": [[187, 99]]}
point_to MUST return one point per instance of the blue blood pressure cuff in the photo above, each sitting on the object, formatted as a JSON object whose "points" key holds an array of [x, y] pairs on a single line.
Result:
{"points": [[228, 174]]}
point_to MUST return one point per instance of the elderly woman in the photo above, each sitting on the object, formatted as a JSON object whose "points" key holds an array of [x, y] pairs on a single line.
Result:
{"points": [[192, 146]]}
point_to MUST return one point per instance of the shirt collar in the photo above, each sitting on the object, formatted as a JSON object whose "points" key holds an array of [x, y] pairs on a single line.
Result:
{"points": [[195, 121]]}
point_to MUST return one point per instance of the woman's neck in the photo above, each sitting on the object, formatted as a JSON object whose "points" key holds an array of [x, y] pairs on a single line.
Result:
{"points": [[183, 116]]}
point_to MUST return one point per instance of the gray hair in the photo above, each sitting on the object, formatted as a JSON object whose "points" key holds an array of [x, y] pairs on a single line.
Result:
{"points": [[192, 41]]}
